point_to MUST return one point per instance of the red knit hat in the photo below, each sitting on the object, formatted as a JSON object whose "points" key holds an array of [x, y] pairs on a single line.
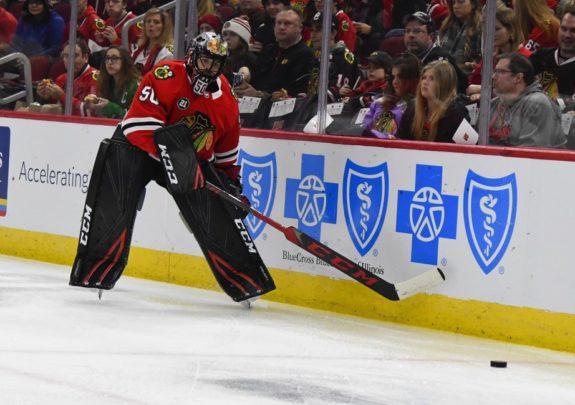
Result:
{"points": [[212, 20]]}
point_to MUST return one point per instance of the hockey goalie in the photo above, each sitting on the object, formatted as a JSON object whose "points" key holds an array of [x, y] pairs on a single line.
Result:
{"points": [[181, 130]]}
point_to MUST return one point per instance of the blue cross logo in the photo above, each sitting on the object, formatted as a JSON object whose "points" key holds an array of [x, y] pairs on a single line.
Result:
{"points": [[310, 199], [426, 214]]}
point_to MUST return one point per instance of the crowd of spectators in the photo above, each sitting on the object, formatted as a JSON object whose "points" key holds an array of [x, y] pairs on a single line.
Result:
{"points": [[397, 69]]}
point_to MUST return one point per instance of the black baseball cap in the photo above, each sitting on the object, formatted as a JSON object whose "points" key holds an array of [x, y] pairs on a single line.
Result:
{"points": [[318, 21], [381, 59], [422, 18]]}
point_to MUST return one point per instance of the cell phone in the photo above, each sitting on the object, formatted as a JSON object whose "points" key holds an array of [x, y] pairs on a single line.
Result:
{"points": [[238, 78]]}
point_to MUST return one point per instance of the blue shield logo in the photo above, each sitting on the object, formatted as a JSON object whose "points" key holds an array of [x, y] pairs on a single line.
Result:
{"points": [[489, 214], [259, 175], [365, 191]]}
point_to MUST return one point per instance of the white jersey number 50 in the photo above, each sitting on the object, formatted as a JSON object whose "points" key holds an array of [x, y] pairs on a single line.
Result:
{"points": [[148, 93]]}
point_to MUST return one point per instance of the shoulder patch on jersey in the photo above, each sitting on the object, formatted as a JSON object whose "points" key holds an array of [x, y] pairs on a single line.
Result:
{"points": [[95, 75], [183, 103], [140, 24], [100, 24], [345, 25], [163, 72], [348, 56]]}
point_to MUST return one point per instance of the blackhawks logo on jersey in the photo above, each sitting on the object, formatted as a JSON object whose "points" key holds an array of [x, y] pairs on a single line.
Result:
{"points": [[348, 56], [549, 84], [345, 25], [202, 130], [163, 72], [100, 24]]}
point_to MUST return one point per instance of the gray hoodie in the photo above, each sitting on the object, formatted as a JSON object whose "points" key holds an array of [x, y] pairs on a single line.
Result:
{"points": [[529, 120]]}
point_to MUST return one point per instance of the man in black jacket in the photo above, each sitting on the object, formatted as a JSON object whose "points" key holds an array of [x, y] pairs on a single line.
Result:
{"points": [[283, 69], [419, 40]]}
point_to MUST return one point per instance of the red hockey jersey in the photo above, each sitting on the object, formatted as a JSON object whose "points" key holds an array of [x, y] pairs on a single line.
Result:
{"points": [[88, 24], [165, 97], [133, 33], [85, 83]]}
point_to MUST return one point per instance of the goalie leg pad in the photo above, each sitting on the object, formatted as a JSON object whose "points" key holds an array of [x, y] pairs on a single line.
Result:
{"points": [[178, 156], [231, 253], [120, 174]]}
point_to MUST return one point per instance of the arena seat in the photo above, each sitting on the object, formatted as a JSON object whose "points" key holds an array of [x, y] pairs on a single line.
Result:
{"points": [[40, 67], [393, 45], [64, 10]]}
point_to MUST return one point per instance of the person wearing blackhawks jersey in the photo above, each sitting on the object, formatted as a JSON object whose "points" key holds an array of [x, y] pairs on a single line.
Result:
{"points": [[181, 130], [85, 80], [555, 67], [88, 24]]}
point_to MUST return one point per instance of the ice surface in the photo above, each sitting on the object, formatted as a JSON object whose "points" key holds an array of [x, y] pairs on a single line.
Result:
{"points": [[153, 343]]}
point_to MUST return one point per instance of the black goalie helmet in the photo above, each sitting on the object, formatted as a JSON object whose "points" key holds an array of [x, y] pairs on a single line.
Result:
{"points": [[205, 60]]}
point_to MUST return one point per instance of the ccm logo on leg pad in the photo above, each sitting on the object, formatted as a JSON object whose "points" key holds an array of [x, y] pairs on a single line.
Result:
{"points": [[86, 218], [168, 164]]}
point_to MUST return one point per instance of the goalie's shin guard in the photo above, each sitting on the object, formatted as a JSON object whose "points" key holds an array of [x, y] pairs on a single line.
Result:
{"points": [[231, 253], [119, 177]]}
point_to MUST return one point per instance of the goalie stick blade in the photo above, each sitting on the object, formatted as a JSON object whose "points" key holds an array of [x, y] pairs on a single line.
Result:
{"points": [[420, 283]]}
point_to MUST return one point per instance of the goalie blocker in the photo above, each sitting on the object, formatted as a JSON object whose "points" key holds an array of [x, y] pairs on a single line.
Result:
{"points": [[119, 177]]}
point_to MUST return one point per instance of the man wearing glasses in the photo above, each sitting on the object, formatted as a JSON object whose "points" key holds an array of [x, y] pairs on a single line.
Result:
{"points": [[419, 37], [522, 114]]}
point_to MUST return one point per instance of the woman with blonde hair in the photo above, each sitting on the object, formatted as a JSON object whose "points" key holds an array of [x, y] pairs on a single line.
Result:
{"points": [[436, 113], [156, 42], [460, 33], [537, 23]]}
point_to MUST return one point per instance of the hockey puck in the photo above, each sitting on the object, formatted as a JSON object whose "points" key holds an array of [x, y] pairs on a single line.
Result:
{"points": [[498, 364]]}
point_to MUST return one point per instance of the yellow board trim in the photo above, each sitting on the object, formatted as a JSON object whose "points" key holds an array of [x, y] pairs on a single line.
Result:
{"points": [[470, 317]]}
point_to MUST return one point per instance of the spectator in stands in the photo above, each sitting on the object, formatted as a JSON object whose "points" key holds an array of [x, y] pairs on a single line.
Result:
{"points": [[343, 69], [537, 23], [384, 115], [437, 113], [345, 29], [8, 25], [555, 67], [283, 69], [85, 80], [156, 42], [378, 73], [521, 114], [210, 23], [89, 22], [253, 10], [460, 33], [264, 34], [40, 30], [117, 84], [419, 37], [507, 39], [369, 29], [237, 34], [117, 17]]}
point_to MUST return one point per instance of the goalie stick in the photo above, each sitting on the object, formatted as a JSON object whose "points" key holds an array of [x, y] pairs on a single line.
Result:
{"points": [[388, 290]]}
